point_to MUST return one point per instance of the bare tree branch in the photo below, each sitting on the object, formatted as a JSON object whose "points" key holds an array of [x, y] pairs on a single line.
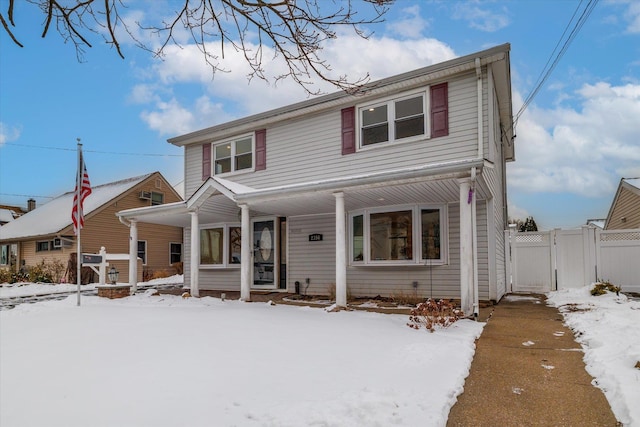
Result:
{"points": [[295, 30]]}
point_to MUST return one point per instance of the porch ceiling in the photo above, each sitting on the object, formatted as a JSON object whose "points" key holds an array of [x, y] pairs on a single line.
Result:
{"points": [[217, 208], [442, 191]]}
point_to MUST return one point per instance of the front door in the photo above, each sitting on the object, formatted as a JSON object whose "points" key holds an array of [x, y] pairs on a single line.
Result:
{"points": [[265, 255]]}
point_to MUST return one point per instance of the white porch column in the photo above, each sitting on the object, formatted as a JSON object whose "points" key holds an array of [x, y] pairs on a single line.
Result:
{"points": [[466, 248], [194, 265], [133, 255], [245, 255], [341, 252]]}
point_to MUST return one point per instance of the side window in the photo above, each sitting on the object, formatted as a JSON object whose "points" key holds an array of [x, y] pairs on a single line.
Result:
{"points": [[142, 251], [175, 252]]}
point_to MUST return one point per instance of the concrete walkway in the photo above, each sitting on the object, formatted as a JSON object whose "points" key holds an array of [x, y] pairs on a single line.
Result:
{"points": [[528, 371]]}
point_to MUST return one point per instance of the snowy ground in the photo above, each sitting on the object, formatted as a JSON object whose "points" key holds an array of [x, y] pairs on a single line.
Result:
{"points": [[167, 361], [608, 328]]}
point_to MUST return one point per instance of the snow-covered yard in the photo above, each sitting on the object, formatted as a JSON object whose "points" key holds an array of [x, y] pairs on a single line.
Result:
{"points": [[165, 360], [608, 328], [168, 361]]}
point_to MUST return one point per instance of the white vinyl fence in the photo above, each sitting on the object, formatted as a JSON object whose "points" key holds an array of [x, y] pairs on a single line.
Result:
{"points": [[559, 259]]}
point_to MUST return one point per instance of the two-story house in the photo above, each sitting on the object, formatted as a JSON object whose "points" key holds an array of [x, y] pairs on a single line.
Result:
{"points": [[398, 189]]}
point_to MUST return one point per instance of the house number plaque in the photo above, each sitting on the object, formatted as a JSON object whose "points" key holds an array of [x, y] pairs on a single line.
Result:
{"points": [[317, 237]]}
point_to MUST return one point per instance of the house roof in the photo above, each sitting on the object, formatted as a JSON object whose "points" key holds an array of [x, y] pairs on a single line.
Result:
{"points": [[498, 55], [7, 215], [631, 184], [54, 216]]}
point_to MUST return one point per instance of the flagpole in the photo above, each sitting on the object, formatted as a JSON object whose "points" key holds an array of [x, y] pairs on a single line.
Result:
{"points": [[79, 216]]}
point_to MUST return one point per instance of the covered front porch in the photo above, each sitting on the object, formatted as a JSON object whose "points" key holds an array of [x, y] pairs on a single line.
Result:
{"points": [[326, 235]]}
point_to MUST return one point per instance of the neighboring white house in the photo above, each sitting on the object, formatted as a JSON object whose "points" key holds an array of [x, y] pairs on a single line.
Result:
{"points": [[400, 189]]}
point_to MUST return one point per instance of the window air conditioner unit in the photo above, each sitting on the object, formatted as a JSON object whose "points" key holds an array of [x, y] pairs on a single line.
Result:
{"points": [[145, 195]]}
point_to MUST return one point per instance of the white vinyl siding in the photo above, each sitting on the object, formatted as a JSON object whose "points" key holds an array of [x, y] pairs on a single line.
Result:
{"points": [[316, 261], [309, 149]]}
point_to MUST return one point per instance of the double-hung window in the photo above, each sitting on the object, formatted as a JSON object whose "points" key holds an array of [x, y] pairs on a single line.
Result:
{"points": [[142, 251], [393, 120], [407, 235], [175, 252], [220, 246], [234, 155]]}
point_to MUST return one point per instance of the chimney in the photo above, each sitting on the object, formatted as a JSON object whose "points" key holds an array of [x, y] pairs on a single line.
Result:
{"points": [[31, 205]]}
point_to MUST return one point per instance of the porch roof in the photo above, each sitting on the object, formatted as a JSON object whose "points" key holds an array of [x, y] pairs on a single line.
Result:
{"points": [[217, 199]]}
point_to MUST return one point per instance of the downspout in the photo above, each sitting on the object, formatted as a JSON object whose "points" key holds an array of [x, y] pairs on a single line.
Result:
{"points": [[480, 121], [474, 225]]}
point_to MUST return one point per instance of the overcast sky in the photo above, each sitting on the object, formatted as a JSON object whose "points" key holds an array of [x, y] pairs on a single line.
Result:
{"points": [[578, 137]]}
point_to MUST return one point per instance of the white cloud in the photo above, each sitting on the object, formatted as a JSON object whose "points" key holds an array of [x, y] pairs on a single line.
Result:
{"points": [[633, 16], [169, 118], [481, 19], [583, 151], [516, 212], [230, 94], [410, 25], [8, 133]]}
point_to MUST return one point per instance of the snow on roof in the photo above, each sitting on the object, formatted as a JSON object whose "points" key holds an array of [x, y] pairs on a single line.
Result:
{"points": [[633, 181], [7, 215], [234, 186], [55, 215]]}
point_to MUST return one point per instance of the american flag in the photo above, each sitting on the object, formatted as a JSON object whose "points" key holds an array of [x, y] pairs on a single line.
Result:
{"points": [[78, 216]]}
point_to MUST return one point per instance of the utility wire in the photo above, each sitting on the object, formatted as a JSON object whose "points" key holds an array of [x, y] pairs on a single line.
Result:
{"points": [[93, 151], [544, 75], [26, 195]]}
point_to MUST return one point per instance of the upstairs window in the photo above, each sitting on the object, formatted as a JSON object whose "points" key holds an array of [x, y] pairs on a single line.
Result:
{"points": [[393, 120], [233, 156], [156, 198]]}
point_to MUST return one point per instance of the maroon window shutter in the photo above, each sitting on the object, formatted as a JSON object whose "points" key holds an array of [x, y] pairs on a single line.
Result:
{"points": [[349, 130], [206, 161], [261, 149], [439, 110]]}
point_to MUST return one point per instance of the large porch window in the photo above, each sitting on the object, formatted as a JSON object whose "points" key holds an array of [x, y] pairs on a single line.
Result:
{"points": [[220, 246], [401, 235]]}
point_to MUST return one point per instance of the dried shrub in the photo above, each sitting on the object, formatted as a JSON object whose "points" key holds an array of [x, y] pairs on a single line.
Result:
{"points": [[160, 274], [603, 287], [400, 298], [432, 314]]}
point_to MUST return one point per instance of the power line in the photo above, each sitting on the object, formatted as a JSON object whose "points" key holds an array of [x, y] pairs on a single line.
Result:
{"points": [[26, 195], [94, 151], [544, 75]]}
